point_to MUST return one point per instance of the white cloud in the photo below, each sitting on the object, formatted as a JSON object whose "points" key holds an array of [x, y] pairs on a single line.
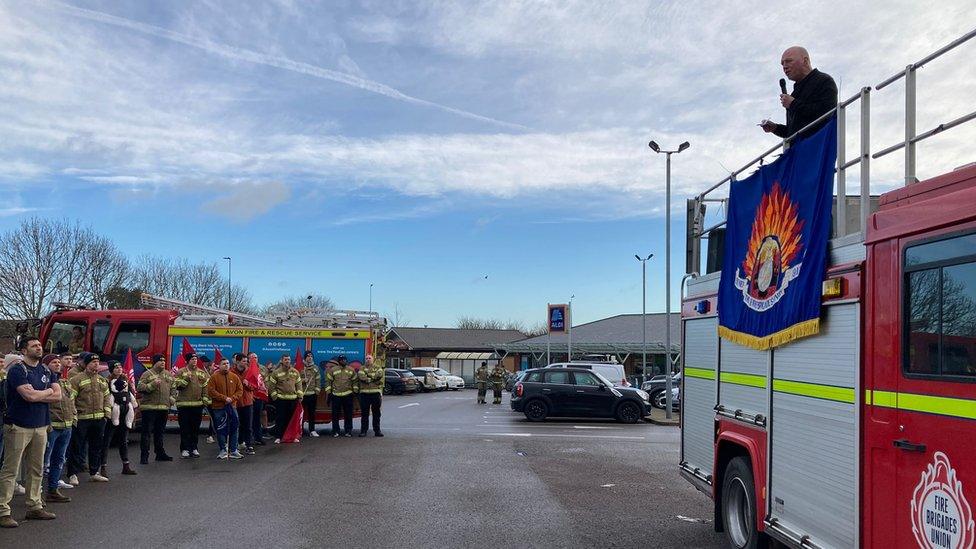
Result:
{"points": [[244, 201]]}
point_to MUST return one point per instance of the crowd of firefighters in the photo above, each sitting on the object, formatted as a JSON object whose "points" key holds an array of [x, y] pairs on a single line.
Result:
{"points": [[88, 410]]}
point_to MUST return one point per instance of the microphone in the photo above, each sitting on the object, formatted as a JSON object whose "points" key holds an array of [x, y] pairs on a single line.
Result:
{"points": [[782, 85]]}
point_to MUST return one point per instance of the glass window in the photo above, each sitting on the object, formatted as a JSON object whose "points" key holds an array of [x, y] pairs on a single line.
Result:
{"points": [[535, 377], [67, 337], [132, 335], [100, 336], [940, 308], [584, 378], [558, 377]]}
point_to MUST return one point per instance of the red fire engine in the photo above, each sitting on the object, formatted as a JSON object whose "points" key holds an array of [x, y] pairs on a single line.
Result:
{"points": [[162, 327], [865, 434]]}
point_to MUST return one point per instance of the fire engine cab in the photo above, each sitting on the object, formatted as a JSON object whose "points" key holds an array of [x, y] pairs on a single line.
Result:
{"points": [[865, 434]]}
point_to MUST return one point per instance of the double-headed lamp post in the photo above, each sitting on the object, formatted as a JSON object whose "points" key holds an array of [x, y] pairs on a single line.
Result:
{"points": [[644, 261], [228, 282], [667, 271]]}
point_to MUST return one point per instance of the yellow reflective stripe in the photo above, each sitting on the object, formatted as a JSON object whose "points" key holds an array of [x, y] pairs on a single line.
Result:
{"points": [[700, 373], [814, 390], [946, 406], [287, 397], [60, 424], [342, 394], [748, 380], [154, 406], [96, 415], [885, 399], [189, 403], [86, 381]]}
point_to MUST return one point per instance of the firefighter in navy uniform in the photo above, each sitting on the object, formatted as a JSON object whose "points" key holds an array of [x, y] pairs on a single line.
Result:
{"points": [[497, 382], [371, 378], [340, 384], [481, 378]]}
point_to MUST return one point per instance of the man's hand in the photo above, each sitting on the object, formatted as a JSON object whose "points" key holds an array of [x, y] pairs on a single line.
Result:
{"points": [[786, 100], [767, 126], [157, 381], [228, 400]]}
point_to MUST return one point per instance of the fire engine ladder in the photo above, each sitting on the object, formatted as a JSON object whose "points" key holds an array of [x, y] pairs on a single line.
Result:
{"points": [[150, 301], [321, 318]]}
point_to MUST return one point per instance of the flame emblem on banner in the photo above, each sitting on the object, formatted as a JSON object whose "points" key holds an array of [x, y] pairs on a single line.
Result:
{"points": [[774, 244]]}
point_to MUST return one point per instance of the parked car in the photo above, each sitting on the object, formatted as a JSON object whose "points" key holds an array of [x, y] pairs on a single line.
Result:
{"points": [[400, 381], [429, 379], [657, 384], [610, 370], [577, 392], [513, 379], [454, 383], [660, 400]]}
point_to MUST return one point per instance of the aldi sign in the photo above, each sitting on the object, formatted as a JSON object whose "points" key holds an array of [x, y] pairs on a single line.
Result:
{"points": [[558, 317]]}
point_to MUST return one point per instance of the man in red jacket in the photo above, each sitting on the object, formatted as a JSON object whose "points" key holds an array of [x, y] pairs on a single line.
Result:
{"points": [[245, 408]]}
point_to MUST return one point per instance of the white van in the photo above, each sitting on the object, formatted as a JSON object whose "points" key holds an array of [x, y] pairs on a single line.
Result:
{"points": [[613, 372]]}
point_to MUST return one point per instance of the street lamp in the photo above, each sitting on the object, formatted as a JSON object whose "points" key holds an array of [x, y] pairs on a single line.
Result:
{"points": [[644, 261], [569, 332], [371, 297], [667, 270], [228, 282]]}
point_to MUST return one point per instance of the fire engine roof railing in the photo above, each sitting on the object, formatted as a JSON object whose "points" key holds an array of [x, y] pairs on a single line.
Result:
{"points": [[865, 156]]}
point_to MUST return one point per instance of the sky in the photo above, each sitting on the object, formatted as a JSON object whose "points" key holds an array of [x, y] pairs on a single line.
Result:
{"points": [[466, 158]]}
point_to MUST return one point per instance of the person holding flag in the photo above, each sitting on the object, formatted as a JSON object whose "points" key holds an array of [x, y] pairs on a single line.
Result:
{"points": [[310, 380], [285, 389], [256, 377], [191, 396], [120, 420], [155, 386], [340, 384], [225, 389], [245, 406]]}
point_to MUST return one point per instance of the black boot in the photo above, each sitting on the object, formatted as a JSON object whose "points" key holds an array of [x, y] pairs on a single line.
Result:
{"points": [[377, 433], [362, 433]]}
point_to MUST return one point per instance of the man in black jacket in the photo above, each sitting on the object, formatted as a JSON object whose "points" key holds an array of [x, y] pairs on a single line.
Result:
{"points": [[814, 93]]}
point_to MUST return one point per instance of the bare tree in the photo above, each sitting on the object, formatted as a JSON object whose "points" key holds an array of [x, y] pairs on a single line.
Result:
{"points": [[293, 303], [473, 323], [198, 283], [397, 318]]}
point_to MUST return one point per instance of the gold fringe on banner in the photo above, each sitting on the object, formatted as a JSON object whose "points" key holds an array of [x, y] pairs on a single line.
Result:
{"points": [[782, 337]]}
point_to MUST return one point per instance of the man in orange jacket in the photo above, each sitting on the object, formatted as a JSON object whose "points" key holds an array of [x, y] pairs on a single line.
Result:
{"points": [[225, 390], [245, 407]]}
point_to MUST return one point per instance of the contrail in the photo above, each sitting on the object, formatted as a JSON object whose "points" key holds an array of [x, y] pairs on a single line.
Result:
{"points": [[271, 61]]}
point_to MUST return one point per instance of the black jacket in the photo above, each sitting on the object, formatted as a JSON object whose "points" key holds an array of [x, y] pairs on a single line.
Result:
{"points": [[812, 97]]}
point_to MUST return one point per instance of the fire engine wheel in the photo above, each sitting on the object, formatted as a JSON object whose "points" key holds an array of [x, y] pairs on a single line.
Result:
{"points": [[628, 412], [387, 390], [739, 506], [536, 410]]}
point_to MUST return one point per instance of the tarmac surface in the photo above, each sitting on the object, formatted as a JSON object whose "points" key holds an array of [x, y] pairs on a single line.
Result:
{"points": [[448, 473]]}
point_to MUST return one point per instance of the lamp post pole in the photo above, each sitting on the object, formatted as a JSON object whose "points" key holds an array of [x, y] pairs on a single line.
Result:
{"points": [[667, 270], [228, 282], [643, 261], [569, 330], [370, 297]]}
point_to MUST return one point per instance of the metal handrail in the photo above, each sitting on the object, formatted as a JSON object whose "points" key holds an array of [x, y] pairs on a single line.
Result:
{"points": [[865, 156]]}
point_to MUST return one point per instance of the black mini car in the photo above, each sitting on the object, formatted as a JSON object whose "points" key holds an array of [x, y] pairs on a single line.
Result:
{"points": [[576, 392]]}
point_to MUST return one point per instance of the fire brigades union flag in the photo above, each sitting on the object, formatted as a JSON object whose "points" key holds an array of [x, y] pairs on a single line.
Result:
{"points": [[776, 246]]}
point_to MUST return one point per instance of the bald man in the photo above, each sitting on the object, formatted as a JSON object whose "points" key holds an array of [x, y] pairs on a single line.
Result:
{"points": [[814, 93]]}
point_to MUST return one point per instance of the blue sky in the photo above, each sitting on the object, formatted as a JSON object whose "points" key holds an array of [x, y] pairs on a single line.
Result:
{"points": [[423, 146]]}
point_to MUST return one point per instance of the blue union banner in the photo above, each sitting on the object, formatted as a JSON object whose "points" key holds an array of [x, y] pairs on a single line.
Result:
{"points": [[776, 246]]}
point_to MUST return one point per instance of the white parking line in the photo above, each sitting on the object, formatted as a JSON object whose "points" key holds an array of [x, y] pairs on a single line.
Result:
{"points": [[409, 405], [564, 436]]}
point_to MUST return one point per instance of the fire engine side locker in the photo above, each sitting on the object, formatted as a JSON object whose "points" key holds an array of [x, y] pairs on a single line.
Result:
{"points": [[814, 433], [698, 398]]}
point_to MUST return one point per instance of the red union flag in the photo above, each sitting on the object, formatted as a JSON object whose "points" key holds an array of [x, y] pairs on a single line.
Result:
{"points": [[254, 379], [293, 433], [129, 369], [299, 364], [180, 362]]}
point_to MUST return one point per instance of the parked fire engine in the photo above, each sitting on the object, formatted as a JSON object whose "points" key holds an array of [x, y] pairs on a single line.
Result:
{"points": [[165, 323], [865, 434]]}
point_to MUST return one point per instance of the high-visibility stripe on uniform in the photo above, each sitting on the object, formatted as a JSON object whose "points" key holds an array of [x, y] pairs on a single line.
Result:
{"points": [[928, 404], [814, 390], [96, 415], [369, 391], [61, 424], [189, 403], [342, 394], [700, 373], [747, 380], [153, 406], [285, 397]]}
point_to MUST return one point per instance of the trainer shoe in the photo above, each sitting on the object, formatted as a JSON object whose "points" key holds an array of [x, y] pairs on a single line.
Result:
{"points": [[73, 480], [335, 434], [313, 434], [98, 478], [222, 454], [185, 454], [195, 453], [349, 435], [39, 514], [277, 441], [210, 440], [8, 522], [63, 484], [19, 489], [249, 451], [236, 455]]}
